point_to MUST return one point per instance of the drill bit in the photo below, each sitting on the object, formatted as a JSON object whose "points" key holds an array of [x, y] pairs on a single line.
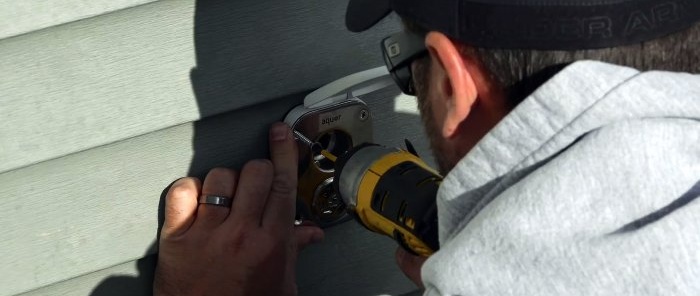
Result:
{"points": [[329, 155]]}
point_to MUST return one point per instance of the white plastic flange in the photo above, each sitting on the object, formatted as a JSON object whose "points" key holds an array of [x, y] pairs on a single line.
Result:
{"points": [[349, 86]]}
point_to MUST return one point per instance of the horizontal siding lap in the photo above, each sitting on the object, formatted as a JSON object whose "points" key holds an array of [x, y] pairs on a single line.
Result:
{"points": [[88, 211], [20, 17], [105, 106], [127, 73]]}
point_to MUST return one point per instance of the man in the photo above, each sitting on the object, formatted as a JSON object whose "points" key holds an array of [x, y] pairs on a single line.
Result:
{"points": [[566, 176]]}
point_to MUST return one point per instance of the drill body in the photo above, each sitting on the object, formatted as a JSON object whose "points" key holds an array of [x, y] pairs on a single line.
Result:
{"points": [[391, 192]]}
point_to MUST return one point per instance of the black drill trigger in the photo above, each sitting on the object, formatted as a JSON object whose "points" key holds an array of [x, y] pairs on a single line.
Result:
{"points": [[410, 148]]}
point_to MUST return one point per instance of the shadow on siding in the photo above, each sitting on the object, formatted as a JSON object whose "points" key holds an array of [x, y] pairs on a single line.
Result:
{"points": [[230, 139]]}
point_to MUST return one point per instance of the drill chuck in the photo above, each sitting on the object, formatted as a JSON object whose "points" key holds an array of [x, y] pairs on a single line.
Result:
{"points": [[392, 192]]}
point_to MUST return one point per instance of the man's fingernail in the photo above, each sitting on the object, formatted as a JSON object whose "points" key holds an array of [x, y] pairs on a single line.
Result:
{"points": [[279, 132], [178, 182]]}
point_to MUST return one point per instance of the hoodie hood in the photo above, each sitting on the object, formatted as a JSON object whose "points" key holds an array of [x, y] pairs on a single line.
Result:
{"points": [[588, 187], [581, 98]]}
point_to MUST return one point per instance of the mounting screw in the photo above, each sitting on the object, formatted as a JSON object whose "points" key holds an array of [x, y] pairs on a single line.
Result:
{"points": [[364, 114]]}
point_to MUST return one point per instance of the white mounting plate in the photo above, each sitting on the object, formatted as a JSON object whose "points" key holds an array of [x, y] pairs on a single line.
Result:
{"points": [[350, 86]]}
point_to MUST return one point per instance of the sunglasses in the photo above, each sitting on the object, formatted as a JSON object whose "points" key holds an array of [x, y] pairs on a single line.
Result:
{"points": [[399, 51]]}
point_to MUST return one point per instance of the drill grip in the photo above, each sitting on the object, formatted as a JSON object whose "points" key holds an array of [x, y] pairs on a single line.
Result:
{"points": [[406, 195]]}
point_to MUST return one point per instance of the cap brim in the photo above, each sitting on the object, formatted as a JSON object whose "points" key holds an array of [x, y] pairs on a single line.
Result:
{"points": [[363, 14]]}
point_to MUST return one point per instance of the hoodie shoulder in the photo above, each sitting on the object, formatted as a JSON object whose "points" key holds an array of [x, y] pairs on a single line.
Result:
{"points": [[556, 231]]}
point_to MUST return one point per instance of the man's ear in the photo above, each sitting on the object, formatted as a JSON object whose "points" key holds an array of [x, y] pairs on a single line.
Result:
{"points": [[456, 88]]}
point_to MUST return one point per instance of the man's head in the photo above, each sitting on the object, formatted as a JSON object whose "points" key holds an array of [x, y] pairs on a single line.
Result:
{"points": [[472, 76]]}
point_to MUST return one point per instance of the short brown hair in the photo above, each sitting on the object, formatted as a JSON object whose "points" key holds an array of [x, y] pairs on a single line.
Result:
{"points": [[679, 52]]}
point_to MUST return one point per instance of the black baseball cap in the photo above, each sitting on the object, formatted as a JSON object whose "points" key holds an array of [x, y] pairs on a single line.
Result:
{"points": [[535, 24]]}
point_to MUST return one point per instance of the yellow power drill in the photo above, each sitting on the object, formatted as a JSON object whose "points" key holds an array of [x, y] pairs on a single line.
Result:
{"points": [[392, 192], [389, 191]]}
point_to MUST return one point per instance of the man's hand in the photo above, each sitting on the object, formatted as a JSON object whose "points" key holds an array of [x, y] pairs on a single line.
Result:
{"points": [[410, 265], [249, 249]]}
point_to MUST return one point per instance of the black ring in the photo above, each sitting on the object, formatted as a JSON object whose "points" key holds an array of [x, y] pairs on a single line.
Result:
{"points": [[221, 201]]}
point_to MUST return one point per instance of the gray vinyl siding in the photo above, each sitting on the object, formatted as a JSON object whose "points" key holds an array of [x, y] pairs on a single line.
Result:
{"points": [[25, 16], [103, 106]]}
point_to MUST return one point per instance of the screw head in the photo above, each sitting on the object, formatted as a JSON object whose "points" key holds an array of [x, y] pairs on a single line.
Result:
{"points": [[364, 114]]}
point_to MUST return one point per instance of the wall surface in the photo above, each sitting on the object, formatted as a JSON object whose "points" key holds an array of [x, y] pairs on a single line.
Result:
{"points": [[104, 103]]}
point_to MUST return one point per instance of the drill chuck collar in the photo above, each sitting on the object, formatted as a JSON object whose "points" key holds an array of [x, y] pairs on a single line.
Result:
{"points": [[350, 175]]}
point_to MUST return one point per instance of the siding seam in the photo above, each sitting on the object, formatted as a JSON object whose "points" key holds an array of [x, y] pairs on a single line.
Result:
{"points": [[87, 17]]}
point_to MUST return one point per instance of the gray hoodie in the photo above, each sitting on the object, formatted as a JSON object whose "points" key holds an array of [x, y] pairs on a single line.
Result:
{"points": [[589, 187]]}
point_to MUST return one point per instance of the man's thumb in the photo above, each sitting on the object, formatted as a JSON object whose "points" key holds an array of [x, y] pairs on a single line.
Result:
{"points": [[410, 265], [305, 235]]}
